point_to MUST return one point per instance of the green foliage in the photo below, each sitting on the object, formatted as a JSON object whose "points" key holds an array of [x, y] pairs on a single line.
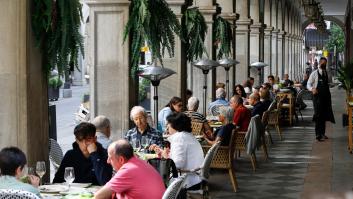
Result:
{"points": [[222, 36], [56, 26], [336, 39], [152, 21], [55, 82], [194, 31], [345, 76], [142, 89]]}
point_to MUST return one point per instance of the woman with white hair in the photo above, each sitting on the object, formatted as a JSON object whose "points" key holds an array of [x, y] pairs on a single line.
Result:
{"points": [[224, 133], [193, 105], [139, 116]]}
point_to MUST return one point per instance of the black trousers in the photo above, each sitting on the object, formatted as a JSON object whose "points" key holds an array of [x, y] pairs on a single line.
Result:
{"points": [[183, 192], [320, 125]]}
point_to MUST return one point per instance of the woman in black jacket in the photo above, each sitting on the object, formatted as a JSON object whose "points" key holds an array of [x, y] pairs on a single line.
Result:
{"points": [[88, 158]]}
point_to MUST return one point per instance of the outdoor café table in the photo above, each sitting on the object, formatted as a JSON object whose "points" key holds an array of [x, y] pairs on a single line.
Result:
{"points": [[62, 191], [284, 94]]}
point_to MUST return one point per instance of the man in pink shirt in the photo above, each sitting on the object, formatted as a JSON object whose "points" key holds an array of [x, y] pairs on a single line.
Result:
{"points": [[134, 179]]}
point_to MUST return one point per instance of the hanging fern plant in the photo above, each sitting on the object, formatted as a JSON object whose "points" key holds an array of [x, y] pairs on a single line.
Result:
{"points": [[194, 32], [56, 26], [222, 36], [154, 22]]}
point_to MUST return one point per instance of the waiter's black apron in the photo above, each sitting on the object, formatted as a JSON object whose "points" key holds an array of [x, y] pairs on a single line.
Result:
{"points": [[322, 101]]}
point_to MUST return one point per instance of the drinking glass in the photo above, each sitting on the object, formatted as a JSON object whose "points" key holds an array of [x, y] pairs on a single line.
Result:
{"points": [[40, 170], [144, 142], [69, 175], [136, 144]]}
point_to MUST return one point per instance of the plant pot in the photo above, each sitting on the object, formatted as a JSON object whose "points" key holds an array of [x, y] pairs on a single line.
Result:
{"points": [[53, 94]]}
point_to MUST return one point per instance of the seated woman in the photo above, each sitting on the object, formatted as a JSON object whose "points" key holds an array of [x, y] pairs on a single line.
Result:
{"points": [[185, 150], [12, 162], [224, 133], [88, 158], [139, 116], [193, 105], [175, 105]]}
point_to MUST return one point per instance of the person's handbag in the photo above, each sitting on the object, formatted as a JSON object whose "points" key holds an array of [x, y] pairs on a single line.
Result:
{"points": [[165, 167]]}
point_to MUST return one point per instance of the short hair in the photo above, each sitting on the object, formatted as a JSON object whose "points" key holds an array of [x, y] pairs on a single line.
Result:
{"points": [[10, 159], [220, 85], [220, 93], [193, 103], [251, 78], [137, 109], [255, 96], [123, 148], [271, 76], [188, 92], [84, 130], [101, 122], [265, 94], [227, 112], [180, 122], [323, 58], [173, 101], [237, 99]]}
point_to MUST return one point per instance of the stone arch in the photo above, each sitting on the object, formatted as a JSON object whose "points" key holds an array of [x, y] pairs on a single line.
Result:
{"points": [[327, 18]]}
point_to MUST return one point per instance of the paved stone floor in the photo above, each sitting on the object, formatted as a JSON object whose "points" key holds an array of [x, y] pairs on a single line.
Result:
{"points": [[298, 167]]}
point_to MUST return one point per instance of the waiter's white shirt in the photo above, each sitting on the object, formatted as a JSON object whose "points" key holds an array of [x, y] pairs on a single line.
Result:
{"points": [[313, 79]]}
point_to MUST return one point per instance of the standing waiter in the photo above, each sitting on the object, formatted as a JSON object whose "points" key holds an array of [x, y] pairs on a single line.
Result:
{"points": [[318, 84]]}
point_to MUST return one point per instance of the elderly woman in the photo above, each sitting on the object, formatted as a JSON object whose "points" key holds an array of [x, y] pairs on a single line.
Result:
{"points": [[139, 116], [185, 150], [224, 133], [87, 157], [193, 105], [175, 105], [12, 162]]}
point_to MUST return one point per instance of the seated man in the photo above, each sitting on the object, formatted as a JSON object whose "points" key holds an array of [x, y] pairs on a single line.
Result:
{"points": [[134, 178], [224, 133], [88, 158], [139, 116], [193, 105], [258, 106], [286, 81], [12, 161], [102, 124], [242, 115], [220, 101]]}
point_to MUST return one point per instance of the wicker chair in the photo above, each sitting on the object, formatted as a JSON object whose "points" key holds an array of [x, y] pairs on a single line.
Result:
{"points": [[16, 194], [241, 144], [289, 105], [264, 119], [55, 153], [197, 128], [223, 159], [174, 188], [273, 119]]}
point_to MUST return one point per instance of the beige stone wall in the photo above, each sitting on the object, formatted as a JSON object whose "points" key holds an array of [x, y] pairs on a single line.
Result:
{"points": [[24, 105]]}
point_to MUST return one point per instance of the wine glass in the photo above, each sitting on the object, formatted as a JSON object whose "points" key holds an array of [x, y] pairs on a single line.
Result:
{"points": [[40, 170], [144, 142], [136, 144], [69, 175]]}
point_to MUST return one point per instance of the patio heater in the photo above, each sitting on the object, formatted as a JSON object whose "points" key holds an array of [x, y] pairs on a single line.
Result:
{"points": [[259, 66], [155, 74], [205, 65], [227, 63]]}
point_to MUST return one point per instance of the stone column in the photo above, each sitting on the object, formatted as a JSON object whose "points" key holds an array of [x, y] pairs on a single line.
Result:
{"points": [[207, 8], [255, 38], [243, 40], [78, 75], [274, 68], [229, 14], [280, 40], [268, 40], [286, 41], [24, 97], [111, 87]]}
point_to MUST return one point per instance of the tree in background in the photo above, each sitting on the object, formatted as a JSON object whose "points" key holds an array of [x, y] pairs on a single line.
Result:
{"points": [[336, 38]]}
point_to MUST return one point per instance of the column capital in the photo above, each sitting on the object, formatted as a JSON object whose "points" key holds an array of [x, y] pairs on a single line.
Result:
{"points": [[268, 31], [175, 2], [246, 22], [275, 31], [230, 16]]}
